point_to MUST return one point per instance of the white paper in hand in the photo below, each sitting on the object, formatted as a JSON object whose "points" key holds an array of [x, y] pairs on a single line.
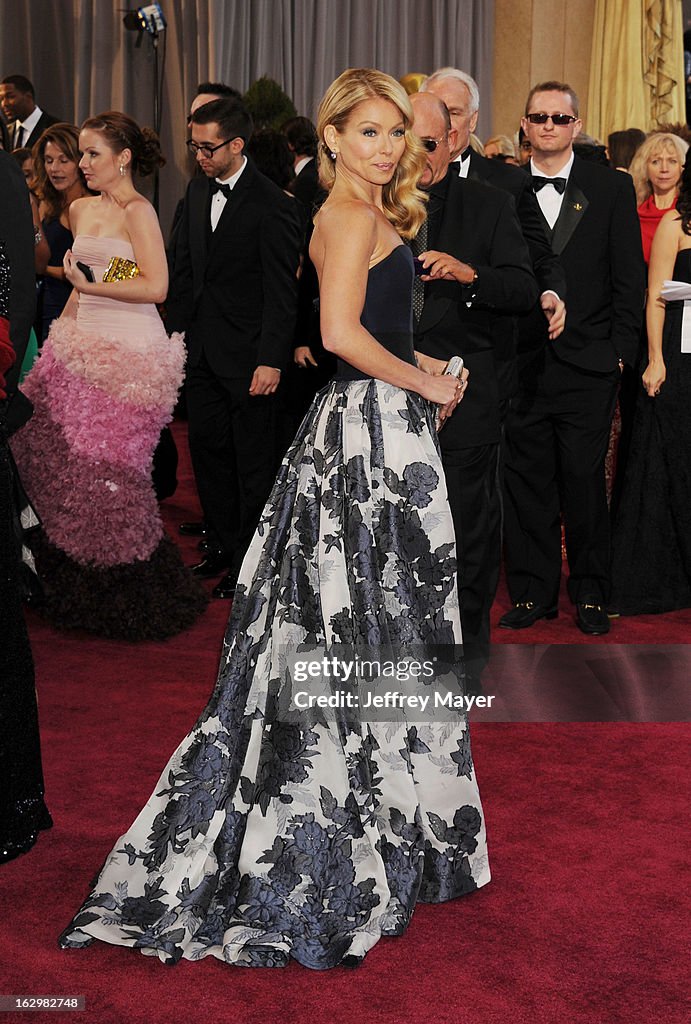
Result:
{"points": [[680, 291]]}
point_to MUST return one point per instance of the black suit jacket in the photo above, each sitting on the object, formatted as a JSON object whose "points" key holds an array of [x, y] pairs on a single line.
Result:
{"points": [[17, 232], [44, 121], [234, 290], [546, 266], [305, 186], [598, 240], [478, 225]]}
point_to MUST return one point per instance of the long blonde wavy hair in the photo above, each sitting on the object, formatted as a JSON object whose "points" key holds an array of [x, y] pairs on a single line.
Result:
{"points": [[404, 203]]}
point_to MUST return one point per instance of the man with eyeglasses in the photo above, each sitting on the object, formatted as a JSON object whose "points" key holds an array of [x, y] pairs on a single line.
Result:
{"points": [[166, 455], [478, 270], [234, 292], [558, 426]]}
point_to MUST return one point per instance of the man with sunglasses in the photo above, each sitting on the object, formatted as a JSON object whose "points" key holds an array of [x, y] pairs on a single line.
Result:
{"points": [[234, 292], [478, 270], [460, 92], [557, 429]]}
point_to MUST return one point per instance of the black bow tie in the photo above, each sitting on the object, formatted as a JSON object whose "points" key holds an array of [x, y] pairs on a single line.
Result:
{"points": [[540, 182], [465, 155], [217, 186]]}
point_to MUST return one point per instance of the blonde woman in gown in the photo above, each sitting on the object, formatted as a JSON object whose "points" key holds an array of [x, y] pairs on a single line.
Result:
{"points": [[272, 837]]}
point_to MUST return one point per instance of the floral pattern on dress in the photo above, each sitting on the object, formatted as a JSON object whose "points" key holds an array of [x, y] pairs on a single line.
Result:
{"points": [[265, 839]]}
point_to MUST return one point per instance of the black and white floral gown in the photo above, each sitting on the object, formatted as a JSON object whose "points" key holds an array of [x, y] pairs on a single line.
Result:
{"points": [[267, 839]]}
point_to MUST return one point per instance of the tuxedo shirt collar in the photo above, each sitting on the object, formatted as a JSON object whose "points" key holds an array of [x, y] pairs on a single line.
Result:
{"points": [[31, 121], [302, 163], [462, 162], [233, 179], [563, 172], [550, 200]]}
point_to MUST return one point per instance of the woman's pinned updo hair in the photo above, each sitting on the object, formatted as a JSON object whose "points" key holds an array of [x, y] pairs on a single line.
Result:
{"points": [[404, 203], [122, 132]]}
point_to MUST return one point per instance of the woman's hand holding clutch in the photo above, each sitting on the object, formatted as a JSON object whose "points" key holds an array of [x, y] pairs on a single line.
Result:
{"points": [[428, 364], [73, 273]]}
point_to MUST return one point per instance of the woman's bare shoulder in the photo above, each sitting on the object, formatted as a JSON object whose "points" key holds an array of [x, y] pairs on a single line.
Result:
{"points": [[81, 210], [346, 214], [138, 207], [344, 222], [83, 204]]}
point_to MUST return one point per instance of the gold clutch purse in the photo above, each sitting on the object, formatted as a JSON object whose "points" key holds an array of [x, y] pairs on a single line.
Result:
{"points": [[120, 269]]}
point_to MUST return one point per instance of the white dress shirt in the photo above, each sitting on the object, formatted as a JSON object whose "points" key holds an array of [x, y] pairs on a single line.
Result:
{"points": [[219, 201], [463, 161], [27, 127], [549, 199], [302, 162]]}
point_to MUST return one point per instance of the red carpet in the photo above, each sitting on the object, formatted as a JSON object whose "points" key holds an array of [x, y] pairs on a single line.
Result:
{"points": [[586, 919]]}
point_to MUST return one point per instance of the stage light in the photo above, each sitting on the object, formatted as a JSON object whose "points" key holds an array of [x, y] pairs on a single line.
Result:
{"points": [[149, 18]]}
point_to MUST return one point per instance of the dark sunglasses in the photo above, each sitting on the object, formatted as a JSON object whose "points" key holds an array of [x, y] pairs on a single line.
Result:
{"points": [[431, 144], [207, 151], [558, 119]]}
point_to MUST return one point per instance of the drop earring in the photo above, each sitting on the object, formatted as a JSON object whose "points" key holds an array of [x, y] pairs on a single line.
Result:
{"points": [[122, 170]]}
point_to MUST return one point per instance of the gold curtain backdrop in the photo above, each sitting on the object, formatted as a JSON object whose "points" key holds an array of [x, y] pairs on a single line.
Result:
{"points": [[637, 66]]}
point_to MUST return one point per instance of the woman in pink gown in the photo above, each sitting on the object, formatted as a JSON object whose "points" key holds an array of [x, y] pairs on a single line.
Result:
{"points": [[103, 388]]}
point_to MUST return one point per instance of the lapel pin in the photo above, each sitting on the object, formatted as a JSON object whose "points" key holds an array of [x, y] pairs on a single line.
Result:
{"points": [[577, 206]]}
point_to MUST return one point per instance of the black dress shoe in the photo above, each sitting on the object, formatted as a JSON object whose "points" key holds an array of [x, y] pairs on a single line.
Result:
{"points": [[591, 617], [212, 564], [192, 529], [525, 614], [226, 587]]}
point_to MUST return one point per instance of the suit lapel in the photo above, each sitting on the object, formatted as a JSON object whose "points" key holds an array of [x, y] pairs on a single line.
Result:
{"points": [[573, 207], [235, 200]]}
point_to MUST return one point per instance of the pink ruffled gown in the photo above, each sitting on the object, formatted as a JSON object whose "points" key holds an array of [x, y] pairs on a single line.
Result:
{"points": [[103, 388]]}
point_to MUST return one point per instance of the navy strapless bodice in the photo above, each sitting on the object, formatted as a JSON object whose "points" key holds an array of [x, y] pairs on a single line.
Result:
{"points": [[55, 292], [388, 310], [682, 266]]}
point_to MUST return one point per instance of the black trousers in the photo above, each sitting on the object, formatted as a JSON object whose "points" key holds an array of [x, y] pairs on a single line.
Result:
{"points": [[234, 454], [471, 481], [557, 432]]}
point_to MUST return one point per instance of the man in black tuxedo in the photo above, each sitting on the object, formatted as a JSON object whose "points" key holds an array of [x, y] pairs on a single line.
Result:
{"points": [[459, 91], [311, 367], [479, 271], [558, 426], [26, 122], [234, 291], [302, 142]]}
